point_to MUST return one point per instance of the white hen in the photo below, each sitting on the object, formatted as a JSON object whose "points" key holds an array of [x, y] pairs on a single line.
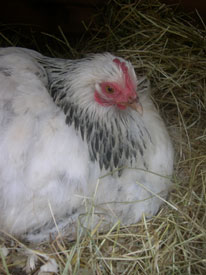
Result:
{"points": [[63, 125]]}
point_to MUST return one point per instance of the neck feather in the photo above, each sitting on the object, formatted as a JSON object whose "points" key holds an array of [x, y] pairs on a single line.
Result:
{"points": [[115, 138]]}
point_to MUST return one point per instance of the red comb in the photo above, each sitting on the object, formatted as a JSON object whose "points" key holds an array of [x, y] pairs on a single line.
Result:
{"points": [[124, 68], [122, 65]]}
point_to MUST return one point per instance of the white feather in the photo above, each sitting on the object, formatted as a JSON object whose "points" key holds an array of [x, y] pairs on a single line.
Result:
{"points": [[45, 164]]}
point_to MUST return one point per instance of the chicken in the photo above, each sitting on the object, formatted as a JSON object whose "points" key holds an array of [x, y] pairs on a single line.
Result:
{"points": [[77, 135]]}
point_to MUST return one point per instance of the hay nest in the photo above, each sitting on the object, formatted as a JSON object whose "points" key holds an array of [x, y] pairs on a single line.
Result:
{"points": [[172, 51]]}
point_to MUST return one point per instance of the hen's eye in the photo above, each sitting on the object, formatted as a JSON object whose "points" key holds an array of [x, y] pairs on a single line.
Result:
{"points": [[109, 90]]}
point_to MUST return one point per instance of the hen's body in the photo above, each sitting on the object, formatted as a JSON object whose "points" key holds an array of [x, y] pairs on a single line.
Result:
{"points": [[52, 151]]}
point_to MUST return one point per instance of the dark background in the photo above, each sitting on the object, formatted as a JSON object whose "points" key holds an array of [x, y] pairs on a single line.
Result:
{"points": [[47, 15]]}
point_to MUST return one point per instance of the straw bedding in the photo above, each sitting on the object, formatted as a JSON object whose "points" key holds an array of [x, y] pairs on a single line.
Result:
{"points": [[171, 49]]}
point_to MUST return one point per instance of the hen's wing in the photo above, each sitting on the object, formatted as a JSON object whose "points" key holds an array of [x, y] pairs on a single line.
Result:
{"points": [[39, 153], [24, 99]]}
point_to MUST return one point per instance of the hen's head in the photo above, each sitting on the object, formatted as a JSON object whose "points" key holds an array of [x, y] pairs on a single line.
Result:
{"points": [[101, 80], [118, 85], [97, 94]]}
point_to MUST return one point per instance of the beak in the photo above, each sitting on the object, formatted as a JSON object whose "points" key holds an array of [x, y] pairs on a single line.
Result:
{"points": [[133, 104], [137, 106]]}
